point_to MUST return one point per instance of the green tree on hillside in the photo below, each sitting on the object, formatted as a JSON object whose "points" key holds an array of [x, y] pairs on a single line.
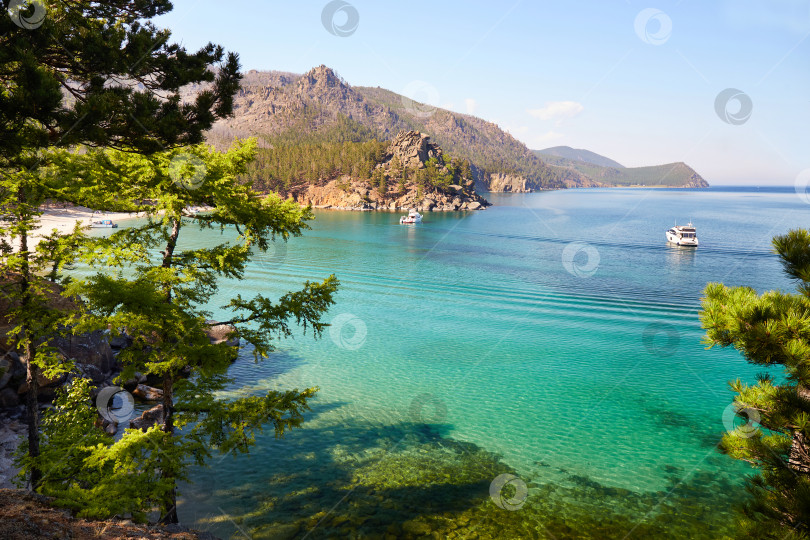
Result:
{"points": [[379, 181], [770, 330], [159, 290], [28, 276], [96, 73], [285, 165]]}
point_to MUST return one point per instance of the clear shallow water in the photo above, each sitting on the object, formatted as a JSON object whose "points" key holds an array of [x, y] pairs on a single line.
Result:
{"points": [[464, 347]]}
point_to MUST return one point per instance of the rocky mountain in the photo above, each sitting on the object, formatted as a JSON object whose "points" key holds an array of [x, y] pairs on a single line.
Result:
{"points": [[578, 154], [411, 155], [319, 106], [593, 167], [275, 104]]}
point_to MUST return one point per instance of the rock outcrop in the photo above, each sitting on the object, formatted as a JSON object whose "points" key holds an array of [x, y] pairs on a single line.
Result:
{"points": [[508, 183], [358, 195], [275, 103], [410, 150], [91, 352]]}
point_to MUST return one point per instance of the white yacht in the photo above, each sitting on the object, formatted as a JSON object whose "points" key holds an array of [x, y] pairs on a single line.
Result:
{"points": [[683, 235], [412, 217], [104, 224], [97, 221]]}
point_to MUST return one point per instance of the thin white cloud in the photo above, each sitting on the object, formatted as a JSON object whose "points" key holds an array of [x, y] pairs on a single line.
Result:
{"points": [[557, 110], [471, 105]]}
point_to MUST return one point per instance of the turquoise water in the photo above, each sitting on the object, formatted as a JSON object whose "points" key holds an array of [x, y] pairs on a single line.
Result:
{"points": [[553, 336]]}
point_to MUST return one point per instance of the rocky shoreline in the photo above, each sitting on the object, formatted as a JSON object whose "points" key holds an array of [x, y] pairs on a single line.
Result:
{"points": [[360, 196], [410, 155], [12, 433], [26, 516], [95, 356]]}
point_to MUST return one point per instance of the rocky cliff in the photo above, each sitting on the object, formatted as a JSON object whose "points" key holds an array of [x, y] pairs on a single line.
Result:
{"points": [[348, 194], [273, 104], [404, 168]]}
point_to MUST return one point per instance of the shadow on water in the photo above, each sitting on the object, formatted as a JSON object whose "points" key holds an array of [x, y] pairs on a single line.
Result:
{"points": [[352, 479], [245, 368]]}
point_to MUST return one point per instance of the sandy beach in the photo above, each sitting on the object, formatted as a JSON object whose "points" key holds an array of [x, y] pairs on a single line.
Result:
{"points": [[64, 218]]}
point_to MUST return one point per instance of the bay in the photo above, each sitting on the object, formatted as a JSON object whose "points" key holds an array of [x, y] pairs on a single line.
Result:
{"points": [[554, 337]]}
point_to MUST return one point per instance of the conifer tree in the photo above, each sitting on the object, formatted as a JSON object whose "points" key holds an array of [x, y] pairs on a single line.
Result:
{"points": [[97, 73], [28, 277], [771, 330], [160, 298]]}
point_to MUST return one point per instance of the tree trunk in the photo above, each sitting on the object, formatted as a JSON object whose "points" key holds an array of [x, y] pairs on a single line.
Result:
{"points": [[31, 405], [32, 412], [799, 456], [170, 504]]}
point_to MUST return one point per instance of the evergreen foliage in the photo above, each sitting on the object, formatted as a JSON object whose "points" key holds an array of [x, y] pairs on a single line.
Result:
{"points": [[27, 278], [771, 330], [289, 165], [157, 291], [99, 73], [94, 73], [87, 474]]}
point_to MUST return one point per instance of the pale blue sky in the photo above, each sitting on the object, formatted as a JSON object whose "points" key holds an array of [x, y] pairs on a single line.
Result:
{"points": [[573, 73]]}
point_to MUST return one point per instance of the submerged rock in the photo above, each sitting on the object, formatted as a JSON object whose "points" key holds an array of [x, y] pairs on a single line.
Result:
{"points": [[221, 333]]}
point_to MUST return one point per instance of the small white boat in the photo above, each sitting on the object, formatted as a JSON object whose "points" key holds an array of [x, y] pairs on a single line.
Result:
{"points": [[412, 217], [104, 224], [683, 235]]}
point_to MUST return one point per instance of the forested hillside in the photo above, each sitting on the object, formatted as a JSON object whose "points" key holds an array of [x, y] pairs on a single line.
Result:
{"points": [[668, 175], [320, 108]]}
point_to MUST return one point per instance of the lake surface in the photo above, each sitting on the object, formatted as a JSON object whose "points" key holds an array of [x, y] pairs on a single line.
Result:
{"points": [[553, 337]]}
